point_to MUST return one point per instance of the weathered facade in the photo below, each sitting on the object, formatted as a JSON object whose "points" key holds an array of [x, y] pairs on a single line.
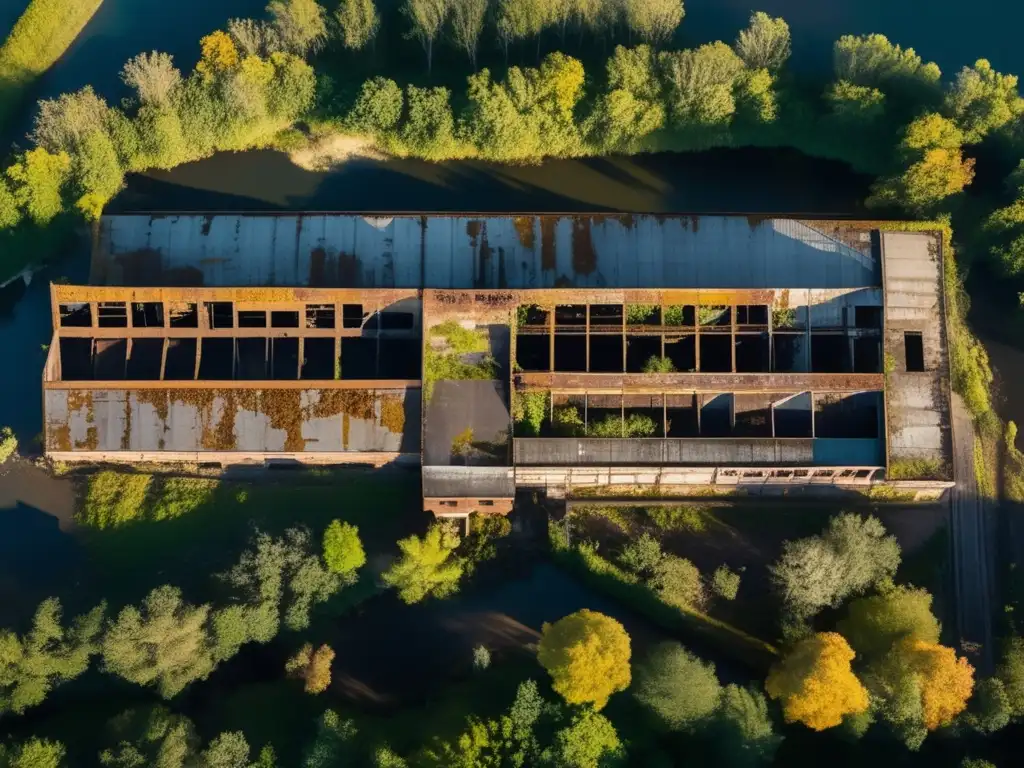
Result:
{"points": [[601, 350]]}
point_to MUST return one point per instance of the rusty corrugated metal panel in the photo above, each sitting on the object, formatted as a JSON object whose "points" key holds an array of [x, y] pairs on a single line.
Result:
{"points": [[298, 419], [463, 252], [657, 452]]}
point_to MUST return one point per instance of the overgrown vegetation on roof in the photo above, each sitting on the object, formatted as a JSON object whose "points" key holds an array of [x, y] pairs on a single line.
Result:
{"points": [[448, 344], [916, 469]]}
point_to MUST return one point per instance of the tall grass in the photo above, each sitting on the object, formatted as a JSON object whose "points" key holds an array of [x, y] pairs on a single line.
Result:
{"points": [[45, 30]]}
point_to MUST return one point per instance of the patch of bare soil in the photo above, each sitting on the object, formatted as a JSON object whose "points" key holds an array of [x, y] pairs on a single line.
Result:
{"points": [[328, 152]]}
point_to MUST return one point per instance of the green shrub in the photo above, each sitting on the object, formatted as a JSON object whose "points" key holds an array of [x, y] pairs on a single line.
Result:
{"points": [[635, 425], [113, 499], [915, 469], [638, 314], [8, 444], [177, 496], [725, 582], [672, 315], [446, 363], [641, 555], [678, 582], [783, 317], [710, 315], [657, 364], [529, 411], [342, 549], [566, 421], [678, 518]]}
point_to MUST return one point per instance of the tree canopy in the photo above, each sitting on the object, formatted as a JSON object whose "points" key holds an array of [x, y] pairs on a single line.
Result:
{"points": [[427, 566], [815, 684], [587, 655], [678, 687]]}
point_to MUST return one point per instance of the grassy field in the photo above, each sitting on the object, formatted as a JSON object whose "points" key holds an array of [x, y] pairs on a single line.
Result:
{"points": [[45, 30], [139, 531]]}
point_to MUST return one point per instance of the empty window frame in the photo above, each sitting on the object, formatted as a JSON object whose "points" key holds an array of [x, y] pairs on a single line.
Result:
{"points": [[352, 315], [148, 314], [78, 315], [913, 345], [249, 318], [320, 315], [112, 314], [284, 319], [221, 314]]}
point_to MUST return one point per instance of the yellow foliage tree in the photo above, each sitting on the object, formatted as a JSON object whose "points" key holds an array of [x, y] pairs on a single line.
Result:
{"points": [[587, 655], [946, 682], [815, 684], [218, 54], [312, 667]]}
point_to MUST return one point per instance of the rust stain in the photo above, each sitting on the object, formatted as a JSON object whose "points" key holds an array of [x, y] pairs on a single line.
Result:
{"points": [[317, 259], [348, 270], [628, 220], [59, 438], [695, 223], [524, 230], [473, 230], [485, 261], [126, 435], [547, 244], [392, 414], [183, 277], [344, 431], [222, 436], [755, 221], [584, 258], [207, 221], [159, 399]]}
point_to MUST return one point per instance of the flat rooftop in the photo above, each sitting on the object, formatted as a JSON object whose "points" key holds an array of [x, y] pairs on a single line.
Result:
{"points": [[735, 341]]}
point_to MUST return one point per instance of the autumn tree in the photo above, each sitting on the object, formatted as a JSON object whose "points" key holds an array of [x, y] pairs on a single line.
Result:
{"points": [[678, 687], [982, 100], [218, 54], [358, 21], [936, 168], [467, 22], [765, 43], [587, 655], [164, 643], [427, 566], [851, 555], [815, 684], [46, 656], [342, 549], [653, 21], [313, 667], [920, 686], [874, 623], [427, 17]]}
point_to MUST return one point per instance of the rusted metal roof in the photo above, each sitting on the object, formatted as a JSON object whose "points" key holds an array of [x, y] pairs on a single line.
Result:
{"points": [[247, 420], [462, 252]]}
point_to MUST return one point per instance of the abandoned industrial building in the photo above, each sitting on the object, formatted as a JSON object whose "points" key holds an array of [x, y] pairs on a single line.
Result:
{"points": [[502, 352]]}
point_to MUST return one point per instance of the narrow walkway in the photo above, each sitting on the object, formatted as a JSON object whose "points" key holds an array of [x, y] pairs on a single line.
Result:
{"points": [[969, 526]]}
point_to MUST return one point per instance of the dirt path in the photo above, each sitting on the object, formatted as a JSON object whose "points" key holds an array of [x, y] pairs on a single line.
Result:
{"points": [[970, 524]]}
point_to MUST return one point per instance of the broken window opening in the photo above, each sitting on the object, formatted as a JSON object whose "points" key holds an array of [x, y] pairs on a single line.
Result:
{"points": [[216, 359], [913, 344], [352, 315], [533, 352], [78, 315], [319, 315], [183, 315], [181, 359], [284, 319], [220, 314], [318, 359], [147, 314], [252, 319], [112, 314]]}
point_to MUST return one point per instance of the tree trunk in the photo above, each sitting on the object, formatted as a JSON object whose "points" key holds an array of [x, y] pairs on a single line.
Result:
{"points": [[430, 54], [538, 47], [472, 57]]}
